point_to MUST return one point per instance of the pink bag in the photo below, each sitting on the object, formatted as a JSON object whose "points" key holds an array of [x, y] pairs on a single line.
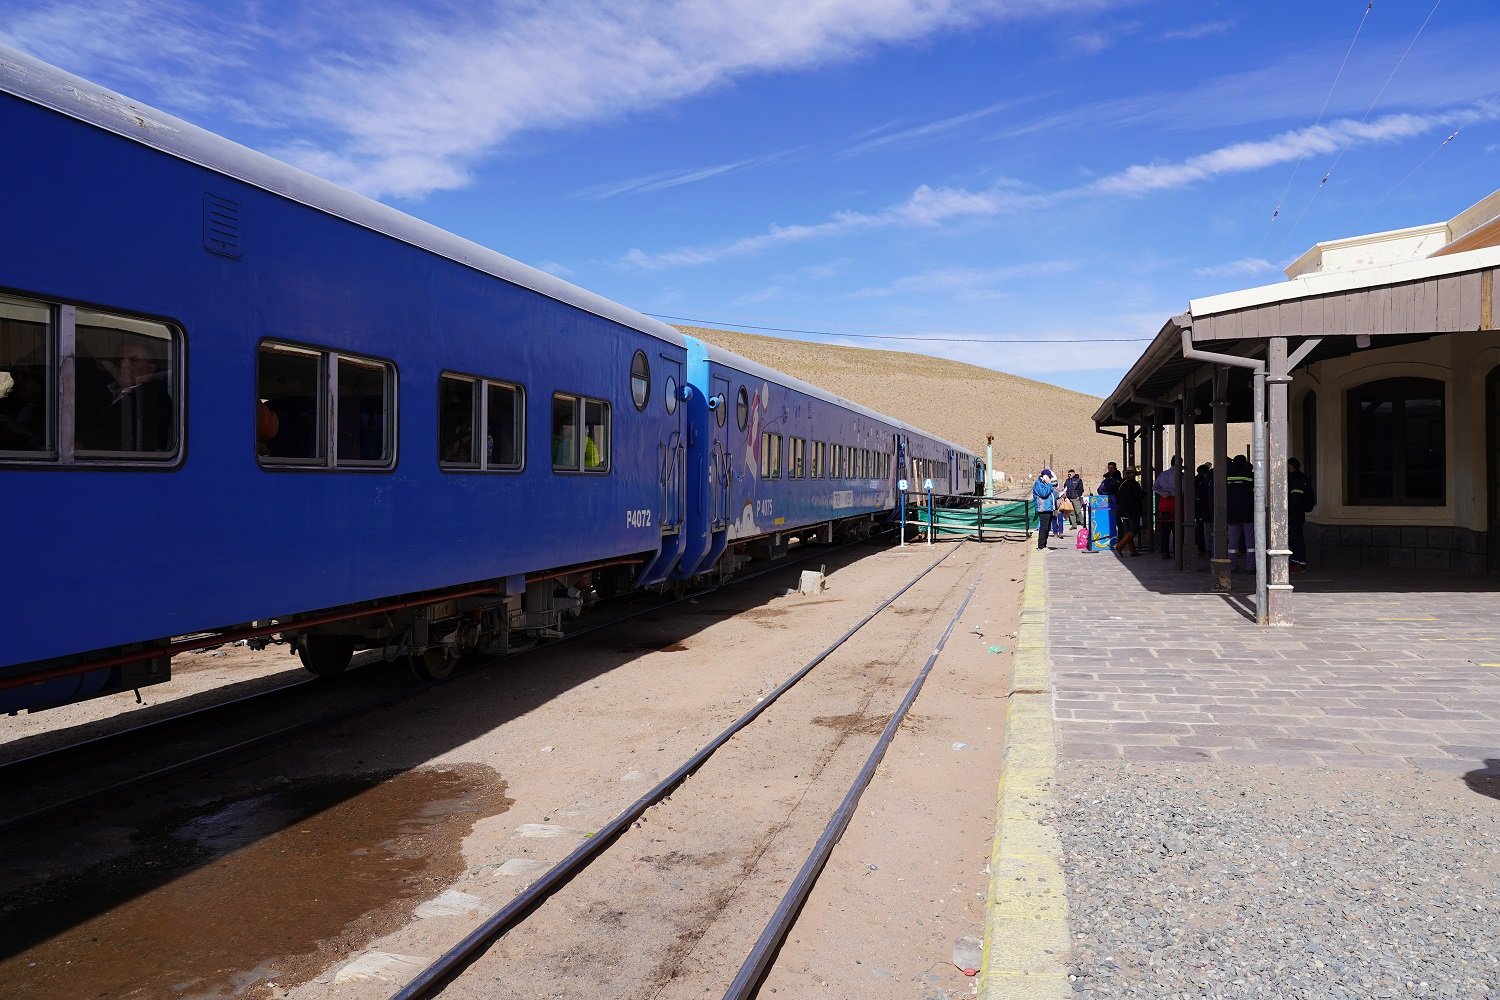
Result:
{"points": [[1083, 539]]}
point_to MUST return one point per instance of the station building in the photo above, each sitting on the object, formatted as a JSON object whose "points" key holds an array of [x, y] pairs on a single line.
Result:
{"points": [[1377, 365]]}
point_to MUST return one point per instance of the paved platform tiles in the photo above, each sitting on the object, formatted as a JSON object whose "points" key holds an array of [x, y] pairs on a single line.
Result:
{"points": [[1146, 667]]}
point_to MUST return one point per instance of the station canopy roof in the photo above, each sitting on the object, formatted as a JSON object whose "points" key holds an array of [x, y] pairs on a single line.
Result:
{"points": [[1397, 287]]}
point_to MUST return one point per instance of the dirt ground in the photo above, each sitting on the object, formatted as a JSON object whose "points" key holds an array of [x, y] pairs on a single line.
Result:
{"points": [[502, 775]]}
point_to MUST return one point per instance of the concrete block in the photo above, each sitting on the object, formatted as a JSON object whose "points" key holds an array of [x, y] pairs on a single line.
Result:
{"points": [[812, 583]]}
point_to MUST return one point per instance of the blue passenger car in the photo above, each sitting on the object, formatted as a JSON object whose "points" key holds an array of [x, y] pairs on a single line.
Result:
{"points": [[238, 401]]}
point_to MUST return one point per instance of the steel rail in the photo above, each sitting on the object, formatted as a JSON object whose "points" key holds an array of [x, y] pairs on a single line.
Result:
{"points": [[430, 981], [754, 968]]}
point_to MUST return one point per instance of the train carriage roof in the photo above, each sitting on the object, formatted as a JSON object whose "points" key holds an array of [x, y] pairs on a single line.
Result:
{"points": [[42, 84]]}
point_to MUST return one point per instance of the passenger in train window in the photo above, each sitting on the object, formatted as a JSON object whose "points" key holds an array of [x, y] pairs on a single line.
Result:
{"points": [[267, 426], [23, 409], [123, 403], [595, 434]]}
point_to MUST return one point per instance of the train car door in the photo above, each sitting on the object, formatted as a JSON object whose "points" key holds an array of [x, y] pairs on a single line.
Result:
{"points": [[671, 451], [671, 472], [720, 470]]}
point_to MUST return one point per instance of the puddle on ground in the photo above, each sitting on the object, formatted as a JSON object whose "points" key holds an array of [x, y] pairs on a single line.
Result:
{"points": [[274, 884]]}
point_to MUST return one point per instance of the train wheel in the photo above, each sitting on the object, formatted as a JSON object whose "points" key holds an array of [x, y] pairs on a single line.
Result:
{"points": [[434, 664], [326, 655]]}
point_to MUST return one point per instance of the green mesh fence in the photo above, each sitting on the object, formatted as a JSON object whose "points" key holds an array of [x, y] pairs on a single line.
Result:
{"points": [[994, 516]]}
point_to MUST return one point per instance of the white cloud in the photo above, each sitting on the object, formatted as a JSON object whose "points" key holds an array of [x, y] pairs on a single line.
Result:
{"points": [[1202, 30], [917, 134], [665, 179], [1244, 267], [1245, 156], [927, 206], [966, 282], [392, 100]]}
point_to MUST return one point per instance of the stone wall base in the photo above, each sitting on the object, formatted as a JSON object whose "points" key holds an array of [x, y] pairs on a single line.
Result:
{"points": [[1350, 546]]}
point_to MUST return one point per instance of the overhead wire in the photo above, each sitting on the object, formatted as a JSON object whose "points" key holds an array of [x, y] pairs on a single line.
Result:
{"points": [[1436, 149], [718, 324], [1364, 118], [1296, 165]]}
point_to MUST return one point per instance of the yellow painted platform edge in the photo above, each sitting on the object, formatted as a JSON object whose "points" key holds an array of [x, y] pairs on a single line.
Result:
{"points": [[1026, 938]]}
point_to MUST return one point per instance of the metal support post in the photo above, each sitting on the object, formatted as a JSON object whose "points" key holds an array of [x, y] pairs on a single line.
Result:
{"points": [[1258, 459], [1187, 504]]}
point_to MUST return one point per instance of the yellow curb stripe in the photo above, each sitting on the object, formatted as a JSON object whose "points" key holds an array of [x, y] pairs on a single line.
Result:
{"points": [[1026, 937]]}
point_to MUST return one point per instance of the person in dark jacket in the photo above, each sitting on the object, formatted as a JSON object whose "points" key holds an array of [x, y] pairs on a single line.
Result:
{"points": [[1130, 501], [1110, 482], [1239, 508], [1073, 492], [1299, 500], [1044, 493], [1203, 506]]}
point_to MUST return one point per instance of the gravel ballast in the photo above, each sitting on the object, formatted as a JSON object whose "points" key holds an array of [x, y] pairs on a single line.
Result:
{"points": [[1202, 881]]}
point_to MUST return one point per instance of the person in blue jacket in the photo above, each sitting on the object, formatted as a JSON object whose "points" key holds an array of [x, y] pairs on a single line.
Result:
{"points": [[1044, 493]]}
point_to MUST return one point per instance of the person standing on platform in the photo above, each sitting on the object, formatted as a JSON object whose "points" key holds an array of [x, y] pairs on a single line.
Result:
{"points": [[1073, 494], [1239, 504], [1167, 486], [1110, 482], [1130, 502], [1299, 501], [1044, 494], [1203, 506]]}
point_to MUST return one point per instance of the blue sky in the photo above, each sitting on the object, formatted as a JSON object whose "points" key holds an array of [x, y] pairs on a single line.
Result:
{"points": [[1030, 185]]}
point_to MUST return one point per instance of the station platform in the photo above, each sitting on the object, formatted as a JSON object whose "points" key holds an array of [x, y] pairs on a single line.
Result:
{"points": [[1243, 811]]}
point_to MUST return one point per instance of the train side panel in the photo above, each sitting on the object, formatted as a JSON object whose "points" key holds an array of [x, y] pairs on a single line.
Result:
{"points": [[123, 554]]}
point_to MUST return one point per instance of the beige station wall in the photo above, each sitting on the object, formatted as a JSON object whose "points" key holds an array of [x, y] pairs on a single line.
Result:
{"points": [[1462, 362]]}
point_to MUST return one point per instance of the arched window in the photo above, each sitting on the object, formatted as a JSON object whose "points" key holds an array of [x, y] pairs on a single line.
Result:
{"points": [[1309, 454], [1397, 450]]}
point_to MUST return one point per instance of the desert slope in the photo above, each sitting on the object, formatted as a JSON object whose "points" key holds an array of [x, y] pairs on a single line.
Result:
{"points": [[1035, 424]]}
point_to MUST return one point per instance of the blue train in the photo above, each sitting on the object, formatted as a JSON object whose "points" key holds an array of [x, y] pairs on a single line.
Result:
{"points": [[238, 401]]}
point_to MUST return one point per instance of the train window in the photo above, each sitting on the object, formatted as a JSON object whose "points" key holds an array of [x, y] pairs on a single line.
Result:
{"points": [[565, 450], [671, 394], [742, 408], [363, 404], [595, 435], [640, 380], [458, 405], [327, 409], [117, 377], [580, 445], [464, 403], [770, 455], [815, 460], [838, 454], [796, 462], [504, 421], [28, 379], [124, 387], [719, 416]]}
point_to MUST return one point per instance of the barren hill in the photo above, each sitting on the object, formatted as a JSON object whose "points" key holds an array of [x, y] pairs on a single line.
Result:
{"points": [[1035, 424]]}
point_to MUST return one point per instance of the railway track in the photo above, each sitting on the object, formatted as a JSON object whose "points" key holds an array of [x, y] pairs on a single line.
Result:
{"points": [[449, 969], [906, 631]]}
